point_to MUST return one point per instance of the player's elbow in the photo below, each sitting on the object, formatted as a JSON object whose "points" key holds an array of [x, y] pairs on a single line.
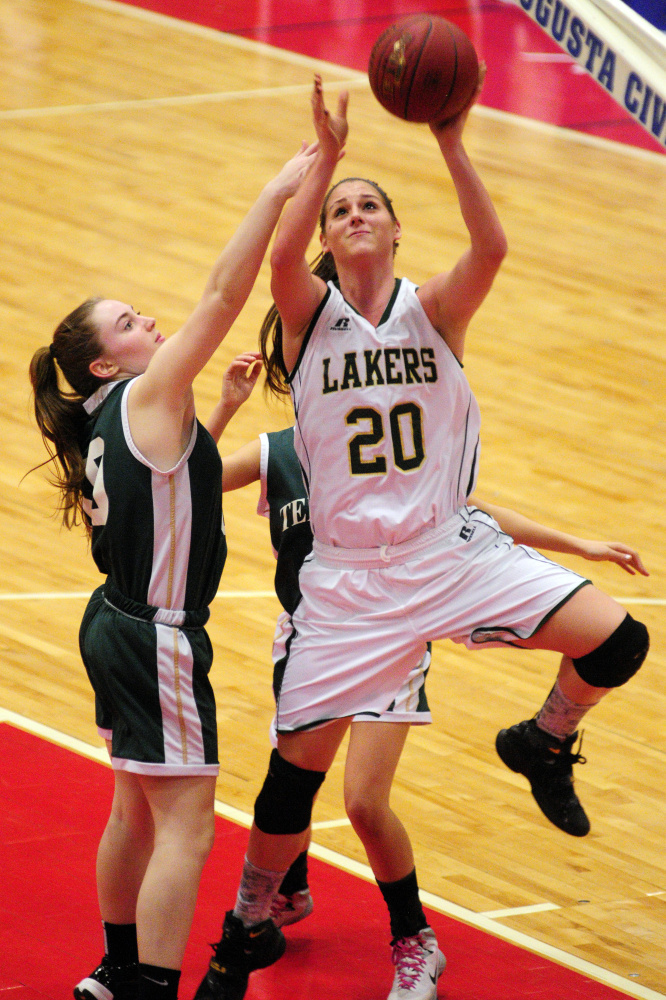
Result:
{"points": [[224, 303], [496, 247], [492, 254], [489, 249], [282, 255]]}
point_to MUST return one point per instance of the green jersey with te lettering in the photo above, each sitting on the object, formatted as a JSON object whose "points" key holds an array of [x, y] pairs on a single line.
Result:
{"points": [[159, 536], [284, 501]]}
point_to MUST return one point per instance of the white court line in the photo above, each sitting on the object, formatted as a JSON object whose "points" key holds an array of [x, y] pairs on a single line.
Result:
{"points": [[294, 58], [483, 921], [54, 735], [215, 35], [545, 57], [559, 131], [552, 57], [219, 97], [517, 911], [640, 600], [67, 595]]}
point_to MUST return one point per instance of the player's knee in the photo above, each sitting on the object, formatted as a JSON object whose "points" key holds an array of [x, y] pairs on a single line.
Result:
{"points": [[201, 843], [191, 839], [284, 804], [617, 659], [365, 814]]}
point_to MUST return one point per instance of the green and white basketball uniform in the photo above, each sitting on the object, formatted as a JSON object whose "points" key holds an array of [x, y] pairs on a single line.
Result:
{"points": [[284, 502], [159, 537]]}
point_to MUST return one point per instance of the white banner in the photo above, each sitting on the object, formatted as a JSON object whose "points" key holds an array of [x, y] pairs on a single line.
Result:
{"points": [[631, 68]]}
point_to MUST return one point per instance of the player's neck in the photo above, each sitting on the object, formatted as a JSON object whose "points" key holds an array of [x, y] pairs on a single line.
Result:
{"points": [[368, 291]]}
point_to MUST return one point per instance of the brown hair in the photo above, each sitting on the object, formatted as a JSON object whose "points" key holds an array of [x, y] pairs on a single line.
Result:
{"points": [[270, 335], [59, 413], [364, 180]]}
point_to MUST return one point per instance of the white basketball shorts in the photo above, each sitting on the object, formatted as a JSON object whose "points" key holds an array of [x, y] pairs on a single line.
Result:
{"points": [[410, 704], [366, 614]]}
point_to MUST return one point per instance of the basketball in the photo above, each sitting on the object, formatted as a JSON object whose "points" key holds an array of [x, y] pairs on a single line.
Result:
{"points": [[423, 69]]}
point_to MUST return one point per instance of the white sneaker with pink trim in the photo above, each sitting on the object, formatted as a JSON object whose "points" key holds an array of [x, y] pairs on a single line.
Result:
{"points": [[418, 965], [287, 910]]}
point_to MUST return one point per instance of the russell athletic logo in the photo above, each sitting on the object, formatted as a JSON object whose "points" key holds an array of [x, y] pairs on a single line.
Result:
{"points": [[341, 324]]}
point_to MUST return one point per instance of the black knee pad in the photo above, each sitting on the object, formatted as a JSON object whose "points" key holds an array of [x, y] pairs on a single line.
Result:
{"points": [[284, 804], [618, 658]]}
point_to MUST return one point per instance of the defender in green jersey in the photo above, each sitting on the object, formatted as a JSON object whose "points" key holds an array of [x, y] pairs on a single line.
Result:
{"points": [[143, 475]]}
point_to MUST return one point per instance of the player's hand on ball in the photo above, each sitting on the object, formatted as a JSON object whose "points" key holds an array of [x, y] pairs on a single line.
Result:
{"points": [[452, 128], [331, 128]]}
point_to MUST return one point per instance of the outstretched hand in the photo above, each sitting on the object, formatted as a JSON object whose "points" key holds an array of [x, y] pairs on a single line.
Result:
{"points": [[240, 379], [296, 169], [331, 128], [238, 382], [616, 552], [451, 130]]}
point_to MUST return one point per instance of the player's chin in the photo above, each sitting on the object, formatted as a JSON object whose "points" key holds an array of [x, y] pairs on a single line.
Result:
{"points": [[363, 253]]}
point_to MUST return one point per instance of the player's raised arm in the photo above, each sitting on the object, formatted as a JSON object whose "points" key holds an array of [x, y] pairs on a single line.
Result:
{"points": [[238, 382], [296, 291], [450, 299], [242, 466], [168, 379]]}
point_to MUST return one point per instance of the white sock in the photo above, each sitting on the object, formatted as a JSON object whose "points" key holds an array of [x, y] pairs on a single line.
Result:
{"points": [[559, 716], [256, 892]]}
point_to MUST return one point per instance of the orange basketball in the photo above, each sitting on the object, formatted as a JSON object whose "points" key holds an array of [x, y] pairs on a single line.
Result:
{"points": [[423, 69]]}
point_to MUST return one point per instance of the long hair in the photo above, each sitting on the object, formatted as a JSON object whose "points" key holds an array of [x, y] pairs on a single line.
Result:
{"points": [[59, 412], [270, 335]]}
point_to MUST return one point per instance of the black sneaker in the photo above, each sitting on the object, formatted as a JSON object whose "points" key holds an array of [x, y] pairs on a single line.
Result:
{"points": [[239, 952], [110, 982], [547, 764]]}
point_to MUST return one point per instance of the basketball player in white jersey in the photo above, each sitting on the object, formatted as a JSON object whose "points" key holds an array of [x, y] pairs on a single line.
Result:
{"points": [[387, 437], [376, 742]]}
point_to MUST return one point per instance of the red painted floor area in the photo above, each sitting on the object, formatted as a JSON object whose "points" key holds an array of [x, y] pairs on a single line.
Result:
{"points": [[521, 78], [55, 805]]}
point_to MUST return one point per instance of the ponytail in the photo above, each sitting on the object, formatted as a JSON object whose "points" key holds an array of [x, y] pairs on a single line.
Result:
{"points": [[270, 335], [59, 413]]}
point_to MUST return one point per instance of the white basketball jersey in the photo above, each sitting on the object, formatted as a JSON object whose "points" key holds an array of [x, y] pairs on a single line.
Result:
{"points": [[387, 428]]}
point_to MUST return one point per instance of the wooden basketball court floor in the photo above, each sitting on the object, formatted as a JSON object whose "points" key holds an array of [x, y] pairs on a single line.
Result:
{"points": [[130, 147]]}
